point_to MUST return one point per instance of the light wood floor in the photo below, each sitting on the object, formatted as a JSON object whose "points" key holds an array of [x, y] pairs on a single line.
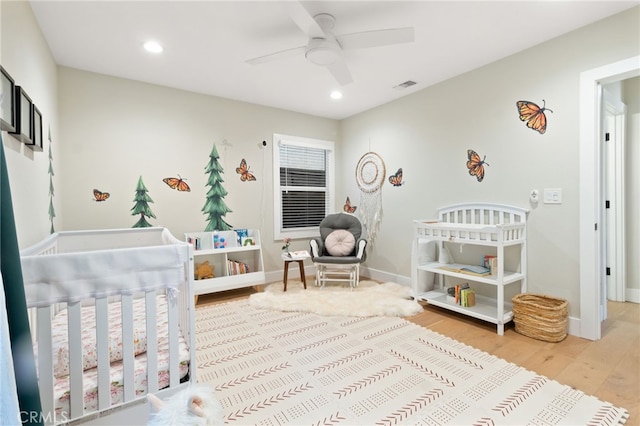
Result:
{"points": [[608, 369]]}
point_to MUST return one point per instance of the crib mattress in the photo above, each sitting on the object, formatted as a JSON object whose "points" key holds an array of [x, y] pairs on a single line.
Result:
{"points": [[90, 380]]}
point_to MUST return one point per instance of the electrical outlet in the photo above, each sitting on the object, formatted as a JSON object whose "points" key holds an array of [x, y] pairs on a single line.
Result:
{"points": [[534, 196], [553, 195]]}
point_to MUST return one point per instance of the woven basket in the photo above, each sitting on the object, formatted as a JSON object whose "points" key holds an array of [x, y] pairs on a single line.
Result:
{"points": [[540, 317]]}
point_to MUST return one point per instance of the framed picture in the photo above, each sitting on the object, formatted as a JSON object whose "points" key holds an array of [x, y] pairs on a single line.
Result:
{"points": [[7, 102], [24, 117], [36, 132]]}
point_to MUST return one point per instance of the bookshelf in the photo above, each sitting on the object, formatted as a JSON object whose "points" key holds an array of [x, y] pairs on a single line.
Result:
{"points": [[237, 261], [497, 230]]}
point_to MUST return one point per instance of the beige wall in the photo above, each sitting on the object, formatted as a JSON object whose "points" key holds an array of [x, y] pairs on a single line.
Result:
{"points": [[25, 55], [116, 130], [429, 132], [111, 131]]}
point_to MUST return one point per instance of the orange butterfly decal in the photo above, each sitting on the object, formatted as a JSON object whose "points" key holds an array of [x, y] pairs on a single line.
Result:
{"points": [[348, 207], [475, 164], [244, 172], [396, 179], [533, 115], [100, 196], [177, 183]]}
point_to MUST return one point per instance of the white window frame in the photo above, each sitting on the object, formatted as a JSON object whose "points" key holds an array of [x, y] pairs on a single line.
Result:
{"points": [[280, 140]]}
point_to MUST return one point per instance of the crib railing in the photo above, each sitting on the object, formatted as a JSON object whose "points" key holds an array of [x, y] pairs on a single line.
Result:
{"points": [[180, 312], [43, 335]]}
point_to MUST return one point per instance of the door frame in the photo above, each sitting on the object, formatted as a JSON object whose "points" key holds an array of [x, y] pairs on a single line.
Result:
{"points": [[614, 111], [591, 190]]}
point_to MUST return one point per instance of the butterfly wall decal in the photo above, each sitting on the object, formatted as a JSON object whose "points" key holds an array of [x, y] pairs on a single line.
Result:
{"points": [[100, 196], [475, 164], [348, 207], [534, 115], [243, 171], [177, 183], [396, 179]]}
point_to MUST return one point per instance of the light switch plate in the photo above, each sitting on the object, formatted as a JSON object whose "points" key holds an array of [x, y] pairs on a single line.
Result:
{"points": [[553, 195]]}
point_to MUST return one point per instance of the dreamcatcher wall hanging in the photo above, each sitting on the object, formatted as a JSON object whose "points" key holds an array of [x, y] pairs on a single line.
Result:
{"points": [[370, 175]]}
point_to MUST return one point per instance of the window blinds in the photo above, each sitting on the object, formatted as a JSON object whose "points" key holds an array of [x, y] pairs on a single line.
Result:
{"points": [[303, 185]]}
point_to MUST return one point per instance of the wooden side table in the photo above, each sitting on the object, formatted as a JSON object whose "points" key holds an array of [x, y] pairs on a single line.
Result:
{"points": [[287, 261]]}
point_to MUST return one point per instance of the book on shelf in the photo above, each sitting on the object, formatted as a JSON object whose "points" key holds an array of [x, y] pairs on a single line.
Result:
{"points": [[476, 270], [298, 255], [486, 260], [491, 262], [241, 234], [467, 297], [235, 267], [195, 242], [462, 295], [247, 241]]}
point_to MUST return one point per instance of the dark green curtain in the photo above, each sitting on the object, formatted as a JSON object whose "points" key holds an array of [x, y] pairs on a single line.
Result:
{"points": [[19, 334]]}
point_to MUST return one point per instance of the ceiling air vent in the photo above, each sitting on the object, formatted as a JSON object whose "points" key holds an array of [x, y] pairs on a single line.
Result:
{"points": [[404, 85]]}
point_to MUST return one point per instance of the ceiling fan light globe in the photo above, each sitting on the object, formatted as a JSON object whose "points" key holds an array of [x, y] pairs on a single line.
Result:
{"points": [[322, 55]]}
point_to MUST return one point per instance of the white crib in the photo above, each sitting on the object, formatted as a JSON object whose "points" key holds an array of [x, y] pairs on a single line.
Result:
{"points": [[112, 318]]}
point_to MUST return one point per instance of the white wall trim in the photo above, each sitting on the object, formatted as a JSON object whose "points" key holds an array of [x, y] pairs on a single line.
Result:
{"points": [[383, 276], [573, 323], [573, 326], [632, 295], [591, 188]]}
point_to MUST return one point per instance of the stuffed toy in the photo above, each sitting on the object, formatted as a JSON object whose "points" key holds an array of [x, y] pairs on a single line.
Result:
{"points": [[194, 406], [204, 270]]}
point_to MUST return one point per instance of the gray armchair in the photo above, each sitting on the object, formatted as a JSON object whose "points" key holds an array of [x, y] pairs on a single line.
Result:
{"points": [[340, 249]]}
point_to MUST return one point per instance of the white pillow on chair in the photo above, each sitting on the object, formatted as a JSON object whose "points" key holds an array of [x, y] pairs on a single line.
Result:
{"points": [[340, 242]]}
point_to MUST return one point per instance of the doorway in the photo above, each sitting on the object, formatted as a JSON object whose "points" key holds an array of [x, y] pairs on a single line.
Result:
{"points": [[592, 224], [613, 141]]}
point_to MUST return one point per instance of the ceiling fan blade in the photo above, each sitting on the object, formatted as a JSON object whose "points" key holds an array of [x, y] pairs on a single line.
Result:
{"points": [[277, 55], [340, 72], [376, 38], [304, 20]]}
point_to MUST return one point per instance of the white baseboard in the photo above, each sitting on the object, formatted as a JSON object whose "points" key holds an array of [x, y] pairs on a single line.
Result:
{"points": [[273, 276], [632, 295], [573, 324], [294, 274], [383, 276], [310, 271]]}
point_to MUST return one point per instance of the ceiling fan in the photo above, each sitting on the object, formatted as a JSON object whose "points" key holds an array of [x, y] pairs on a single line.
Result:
{"points": [[325, 48]]}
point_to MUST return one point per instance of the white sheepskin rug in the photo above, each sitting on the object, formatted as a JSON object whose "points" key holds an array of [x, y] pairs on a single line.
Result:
{"points": [[368, 299]]}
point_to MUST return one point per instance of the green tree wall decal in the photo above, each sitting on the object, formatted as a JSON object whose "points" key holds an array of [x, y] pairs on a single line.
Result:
{"points": [[215, 208], [142, 206], [52, 210]]}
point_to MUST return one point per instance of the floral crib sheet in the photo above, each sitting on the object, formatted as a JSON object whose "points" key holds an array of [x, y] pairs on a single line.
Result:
{"points": [[90, 379], [60, 353]]}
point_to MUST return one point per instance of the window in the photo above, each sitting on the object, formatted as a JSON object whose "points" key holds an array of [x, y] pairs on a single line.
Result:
{"points": [[303, 185]]}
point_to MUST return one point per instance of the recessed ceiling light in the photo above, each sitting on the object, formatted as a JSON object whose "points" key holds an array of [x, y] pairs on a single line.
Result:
{"points": [[153, 47], [336, 94]]}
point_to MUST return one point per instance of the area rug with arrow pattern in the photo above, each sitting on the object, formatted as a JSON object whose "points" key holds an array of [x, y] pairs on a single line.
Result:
{"points": [[299, 368]]}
